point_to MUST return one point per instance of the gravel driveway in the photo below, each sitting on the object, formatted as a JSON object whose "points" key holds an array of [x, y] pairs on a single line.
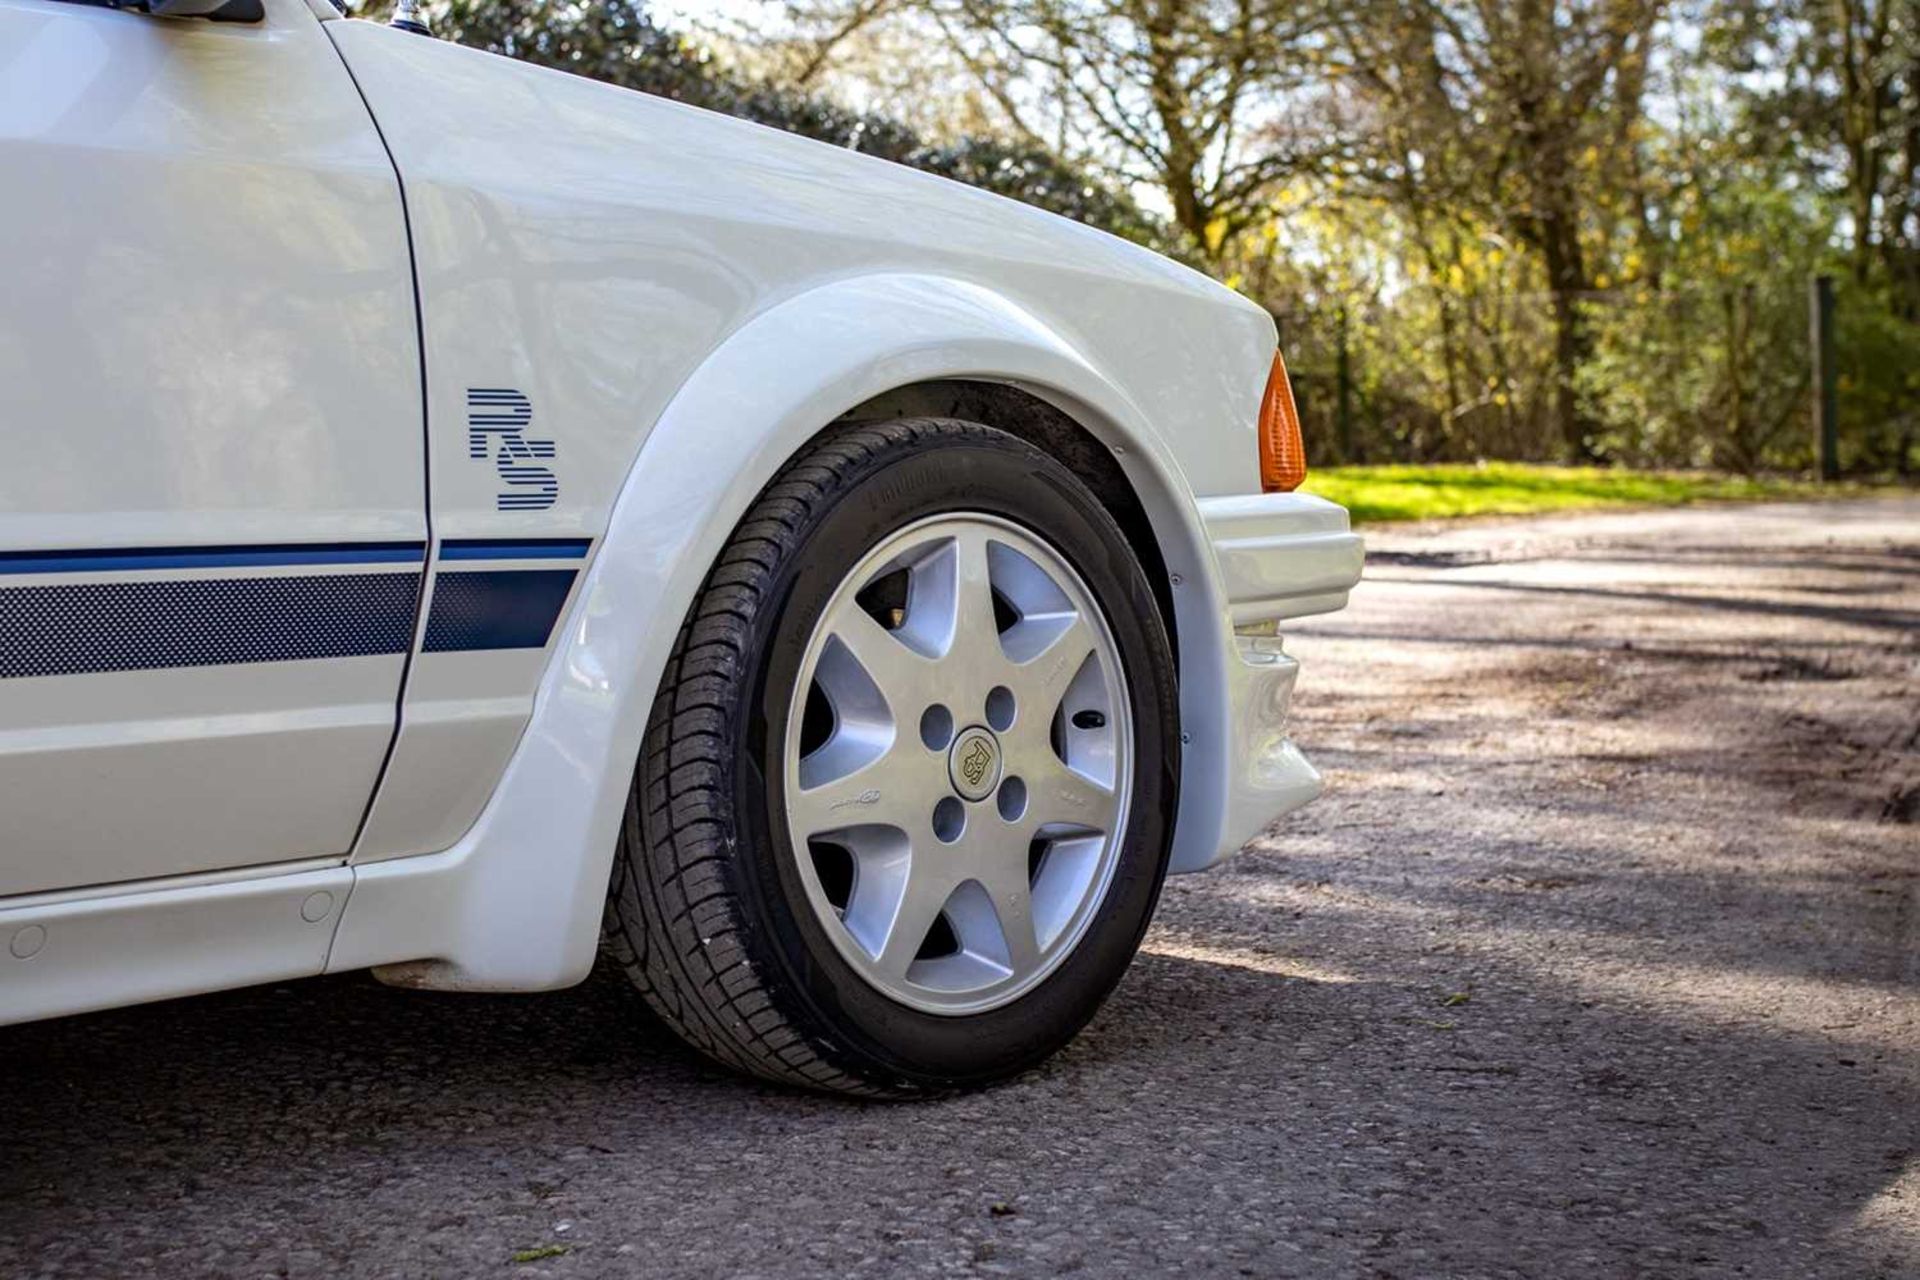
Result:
{"points": [[1598, 958]]}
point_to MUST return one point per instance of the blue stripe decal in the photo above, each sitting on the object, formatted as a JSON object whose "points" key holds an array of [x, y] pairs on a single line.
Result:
{"points": [[251, 557], [166, 622], [495, 608], [521, 549], [90, 627]]}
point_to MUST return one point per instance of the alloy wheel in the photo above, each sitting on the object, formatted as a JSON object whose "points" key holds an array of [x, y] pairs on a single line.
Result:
{"points": [[958, 763]]}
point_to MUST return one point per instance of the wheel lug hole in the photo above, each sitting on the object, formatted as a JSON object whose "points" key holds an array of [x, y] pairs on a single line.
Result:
{"points": [[936, 727], [1011, 799], [949, 819], [1000, 708]]}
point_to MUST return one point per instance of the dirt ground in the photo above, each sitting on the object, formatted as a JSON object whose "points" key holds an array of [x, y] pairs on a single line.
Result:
{"points": [[1600, 957]]}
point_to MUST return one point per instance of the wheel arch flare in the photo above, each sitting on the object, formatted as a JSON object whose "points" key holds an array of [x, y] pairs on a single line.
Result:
{"points": [[515, 904]]}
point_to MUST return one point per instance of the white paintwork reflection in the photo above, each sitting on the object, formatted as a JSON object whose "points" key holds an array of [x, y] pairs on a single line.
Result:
{"points": [[592, 247], [68, 953], [1282, 555], [206, 337], [206, 333], [465, 713], [128, 775], [683, 300], [595, 248]]}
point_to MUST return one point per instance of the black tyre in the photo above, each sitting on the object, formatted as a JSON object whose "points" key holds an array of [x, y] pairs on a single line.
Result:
{"points": [[904, 804]]}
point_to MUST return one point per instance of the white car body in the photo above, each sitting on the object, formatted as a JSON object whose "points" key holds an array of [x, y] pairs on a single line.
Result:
{"points": [[473, 367]]}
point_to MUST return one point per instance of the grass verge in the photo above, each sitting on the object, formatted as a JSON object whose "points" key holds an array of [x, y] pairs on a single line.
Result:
{"points": [[1378, 494]]}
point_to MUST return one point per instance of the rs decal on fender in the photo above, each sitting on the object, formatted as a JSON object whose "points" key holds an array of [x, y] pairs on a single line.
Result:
{"points": [[497, 422]]}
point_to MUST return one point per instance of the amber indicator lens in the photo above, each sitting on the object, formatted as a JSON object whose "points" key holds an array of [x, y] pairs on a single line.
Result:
{"points": [[1283, 456]]}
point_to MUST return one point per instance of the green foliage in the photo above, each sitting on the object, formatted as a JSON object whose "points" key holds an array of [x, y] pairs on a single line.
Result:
{"points": [[1695, 346], [1386, 493], [1878, 353]]}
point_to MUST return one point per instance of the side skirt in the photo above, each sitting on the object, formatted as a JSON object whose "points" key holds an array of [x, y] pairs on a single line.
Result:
{"points": [[76, 951]]}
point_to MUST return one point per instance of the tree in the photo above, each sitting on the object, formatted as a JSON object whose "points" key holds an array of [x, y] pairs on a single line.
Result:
{"points": [[1188, 96], [1835, 86], [1519, 117], [1525, 113]]}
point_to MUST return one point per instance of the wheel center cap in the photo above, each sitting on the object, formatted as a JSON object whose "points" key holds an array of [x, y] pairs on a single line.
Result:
{"points": [[973, 763]]}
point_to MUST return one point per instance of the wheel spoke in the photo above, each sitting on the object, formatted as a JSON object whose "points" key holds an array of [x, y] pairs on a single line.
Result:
{"points": [[1059, 795], [893, 668], [883, 865], [1042, 681], [925, 894], [889, 791], [1012, 900], [976, 637]]}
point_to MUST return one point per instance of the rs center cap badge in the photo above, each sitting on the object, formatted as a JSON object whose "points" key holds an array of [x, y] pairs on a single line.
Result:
{"points": [[973, 764]]}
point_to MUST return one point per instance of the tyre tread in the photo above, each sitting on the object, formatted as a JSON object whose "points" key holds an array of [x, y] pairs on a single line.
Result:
{"points": [[674, 922]]}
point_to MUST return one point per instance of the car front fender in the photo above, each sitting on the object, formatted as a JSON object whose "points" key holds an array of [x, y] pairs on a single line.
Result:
{"points": [[516, 903]]}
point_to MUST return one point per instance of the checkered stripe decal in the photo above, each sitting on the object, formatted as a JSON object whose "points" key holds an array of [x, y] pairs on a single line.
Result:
{"points": [[80, 628], [495, 609]]}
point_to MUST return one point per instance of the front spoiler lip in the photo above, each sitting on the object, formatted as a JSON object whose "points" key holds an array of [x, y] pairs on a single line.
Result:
{"points": [[1282, 555], [1277, 556]]}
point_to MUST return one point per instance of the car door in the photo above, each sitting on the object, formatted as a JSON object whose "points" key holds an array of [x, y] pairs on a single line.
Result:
{"points": [[212, 512]]}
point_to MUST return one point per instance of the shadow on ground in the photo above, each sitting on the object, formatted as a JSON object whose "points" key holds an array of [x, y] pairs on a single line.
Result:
{"points": [[1594, 961], [1223, 1112]]}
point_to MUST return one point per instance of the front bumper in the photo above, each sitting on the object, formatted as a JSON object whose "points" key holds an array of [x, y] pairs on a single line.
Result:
{"points": [[1279, 556], [1282, 555]]}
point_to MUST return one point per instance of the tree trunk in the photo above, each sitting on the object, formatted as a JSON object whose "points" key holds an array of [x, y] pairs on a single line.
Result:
{"points": [[1559, 241]]}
